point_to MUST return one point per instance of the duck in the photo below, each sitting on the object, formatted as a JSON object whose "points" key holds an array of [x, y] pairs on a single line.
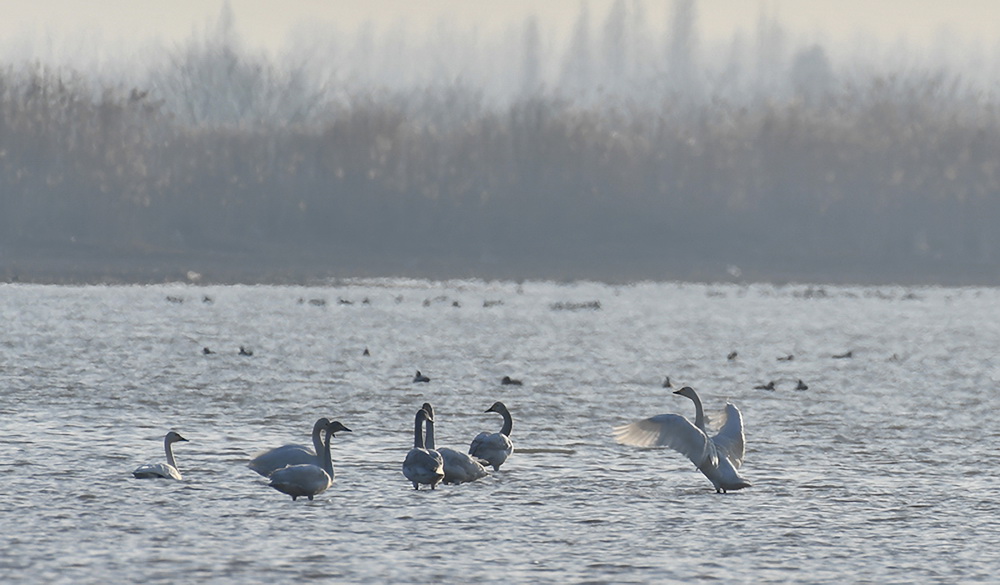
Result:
{"points": [[245, 351], [166, 470], [768, 386], [206, 351], [494, 448], [458, 467], [786, 358], [845, 355], [267, 462], [717, 457], [420, 377], [801, 386], [732, 355], [307, 479], [508, 381], [422, 465], [667, 383]]}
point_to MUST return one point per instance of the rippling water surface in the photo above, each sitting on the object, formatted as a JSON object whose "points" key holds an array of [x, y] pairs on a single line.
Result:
{"points": [[884, 471]]}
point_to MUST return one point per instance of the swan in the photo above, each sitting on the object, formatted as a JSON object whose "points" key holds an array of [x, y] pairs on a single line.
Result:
{"points": [[307, 479], [458, 467], [166, 470], [494, 448], [265, 463], [422, 465], [717, 457]]}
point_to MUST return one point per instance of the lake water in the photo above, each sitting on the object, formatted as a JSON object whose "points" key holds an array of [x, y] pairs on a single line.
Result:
{"points": [[883, 471]]}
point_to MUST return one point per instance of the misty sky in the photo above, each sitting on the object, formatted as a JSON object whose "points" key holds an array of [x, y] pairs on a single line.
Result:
{"points": [[45, 26]]}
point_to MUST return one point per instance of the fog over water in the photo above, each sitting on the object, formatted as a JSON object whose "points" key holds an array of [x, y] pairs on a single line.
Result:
{"points": [[612, 140]]}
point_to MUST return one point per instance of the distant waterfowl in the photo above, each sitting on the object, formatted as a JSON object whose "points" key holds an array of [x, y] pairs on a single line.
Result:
{"points": [[508, 381], [422, 465], [245, 351], [267, 462], [768, 386], [494, 448], [458, 467], [801, 386], [308, 479], [732, 355], [366, 353], [845, 355], [420, 377], [206, 351], [166, 470], [786, 358], [667, 383], [717, 457]]}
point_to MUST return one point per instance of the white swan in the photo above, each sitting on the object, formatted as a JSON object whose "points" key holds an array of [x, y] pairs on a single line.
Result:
{"points": [[267, 462], [307, 479], [166, 470], [717, 457], [422, 465], [458, 467], [494, 448]]}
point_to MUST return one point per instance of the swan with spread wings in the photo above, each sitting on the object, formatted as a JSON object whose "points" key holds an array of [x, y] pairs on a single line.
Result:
{"points": [[718, 457]]}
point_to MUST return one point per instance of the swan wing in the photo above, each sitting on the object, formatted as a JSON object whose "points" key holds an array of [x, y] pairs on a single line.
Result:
{"points": [[423, 466], [301, 480], [730, 441], [493, 448], [460, 467], [156, 470], [267, 462], [669, 430]]}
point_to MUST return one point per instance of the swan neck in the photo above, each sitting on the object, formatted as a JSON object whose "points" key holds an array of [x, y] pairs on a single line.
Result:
{"points": [[169, 450], [699, 412], [429, 436], [508, 423], [327, 459], [317, 438], [418, 439]]}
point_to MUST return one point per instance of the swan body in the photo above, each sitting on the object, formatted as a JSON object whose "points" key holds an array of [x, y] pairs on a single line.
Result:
{"points": [[717, 457], [458, 467], [306, 479], [422, 465], [268, 462], [494, 448], [166, 470]]}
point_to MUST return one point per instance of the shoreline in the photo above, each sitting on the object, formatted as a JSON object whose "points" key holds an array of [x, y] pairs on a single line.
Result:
{"points": [[80, 265]]}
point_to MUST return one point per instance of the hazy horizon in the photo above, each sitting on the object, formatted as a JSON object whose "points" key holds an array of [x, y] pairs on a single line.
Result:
{"points": [[636, 146], [49, 28]]}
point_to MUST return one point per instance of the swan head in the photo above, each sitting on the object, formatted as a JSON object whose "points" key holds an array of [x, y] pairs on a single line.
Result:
{"points": [[173, 437], [428, 409], [497, 407], [321, 424], [423, 415], [337, 427], [686, 391]]}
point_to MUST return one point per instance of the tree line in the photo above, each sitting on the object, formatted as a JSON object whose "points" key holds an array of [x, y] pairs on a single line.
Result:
{"points": [[887, 177]]}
